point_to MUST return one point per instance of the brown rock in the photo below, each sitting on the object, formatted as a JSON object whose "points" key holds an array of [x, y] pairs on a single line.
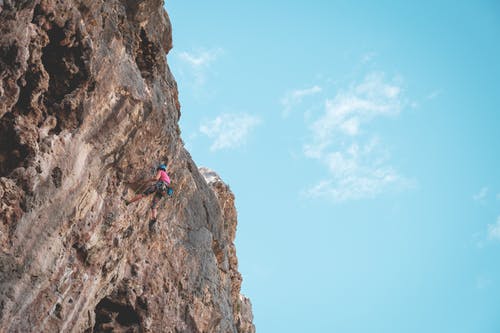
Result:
{"points": [[87, 107], [224, 234]]}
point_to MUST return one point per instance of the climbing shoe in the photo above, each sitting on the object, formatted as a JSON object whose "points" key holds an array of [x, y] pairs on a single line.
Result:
{"points": [[152, 224], [126, 202]]}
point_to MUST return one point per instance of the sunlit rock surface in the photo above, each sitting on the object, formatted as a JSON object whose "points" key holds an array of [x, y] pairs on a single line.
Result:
{"points": [[88, 107]]}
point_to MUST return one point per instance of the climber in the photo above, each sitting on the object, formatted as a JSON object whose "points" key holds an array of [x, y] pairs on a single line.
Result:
{"points": [[160, 188]]}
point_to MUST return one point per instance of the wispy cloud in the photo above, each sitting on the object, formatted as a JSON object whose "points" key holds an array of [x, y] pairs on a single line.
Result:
{"points": [[201, 58], [199, 62], [494, 230], [294, 97], [357, 161], [481, 195], [433, 94], [229, 130], [368, 57]]}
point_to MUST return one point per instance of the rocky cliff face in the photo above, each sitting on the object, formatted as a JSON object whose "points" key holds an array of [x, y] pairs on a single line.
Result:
{"points": [[87, 106]]}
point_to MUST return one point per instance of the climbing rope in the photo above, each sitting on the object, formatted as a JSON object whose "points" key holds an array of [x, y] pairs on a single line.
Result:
{"points": [[142, 188]]}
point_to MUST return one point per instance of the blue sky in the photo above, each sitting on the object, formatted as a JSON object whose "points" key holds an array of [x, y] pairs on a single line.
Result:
{"points": [[361, 142]]}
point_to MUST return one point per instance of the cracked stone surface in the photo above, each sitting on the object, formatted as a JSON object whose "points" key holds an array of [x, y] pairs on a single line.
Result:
{"points": [[88, 106]]}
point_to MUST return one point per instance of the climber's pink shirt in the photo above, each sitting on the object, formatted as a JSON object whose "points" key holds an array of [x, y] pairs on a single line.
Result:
{"points": [[164, 177]]}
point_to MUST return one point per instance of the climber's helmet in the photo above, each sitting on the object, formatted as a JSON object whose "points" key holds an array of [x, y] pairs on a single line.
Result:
{"points": [[162, 167]]}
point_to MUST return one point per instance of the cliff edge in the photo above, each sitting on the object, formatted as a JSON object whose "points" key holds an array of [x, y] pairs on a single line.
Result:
{"points": [[87, 107]]}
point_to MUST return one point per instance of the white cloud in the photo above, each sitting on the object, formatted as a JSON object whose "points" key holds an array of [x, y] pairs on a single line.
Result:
{"points": [[367, 184], [201, 58], [359, 104], [199, 62], [494, 230], [481, 195], [357, 161], [294, 97], [229, 130], [368, 57], [434, 94]]}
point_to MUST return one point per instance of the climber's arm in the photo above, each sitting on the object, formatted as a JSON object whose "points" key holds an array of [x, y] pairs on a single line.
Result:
{"points": [[156, 178]]}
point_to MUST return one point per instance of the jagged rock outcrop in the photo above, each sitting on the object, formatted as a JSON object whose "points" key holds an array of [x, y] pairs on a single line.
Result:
{"points": [[87, 106], [225, 251]]}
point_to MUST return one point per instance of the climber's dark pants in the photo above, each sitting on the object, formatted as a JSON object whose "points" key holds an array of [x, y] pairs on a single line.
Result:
{"points": [[157, 197]]}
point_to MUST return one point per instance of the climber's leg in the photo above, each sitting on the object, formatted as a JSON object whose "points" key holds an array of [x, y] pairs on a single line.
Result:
{"points": [[138, 197], [155, 201], [134, 199]]}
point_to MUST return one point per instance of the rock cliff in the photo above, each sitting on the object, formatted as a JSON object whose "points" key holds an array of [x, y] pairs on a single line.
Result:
{"points": [[87, 107]]}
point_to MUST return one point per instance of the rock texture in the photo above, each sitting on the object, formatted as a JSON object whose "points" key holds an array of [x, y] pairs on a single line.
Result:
{"points": [[87, 107], [225, 251]]}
